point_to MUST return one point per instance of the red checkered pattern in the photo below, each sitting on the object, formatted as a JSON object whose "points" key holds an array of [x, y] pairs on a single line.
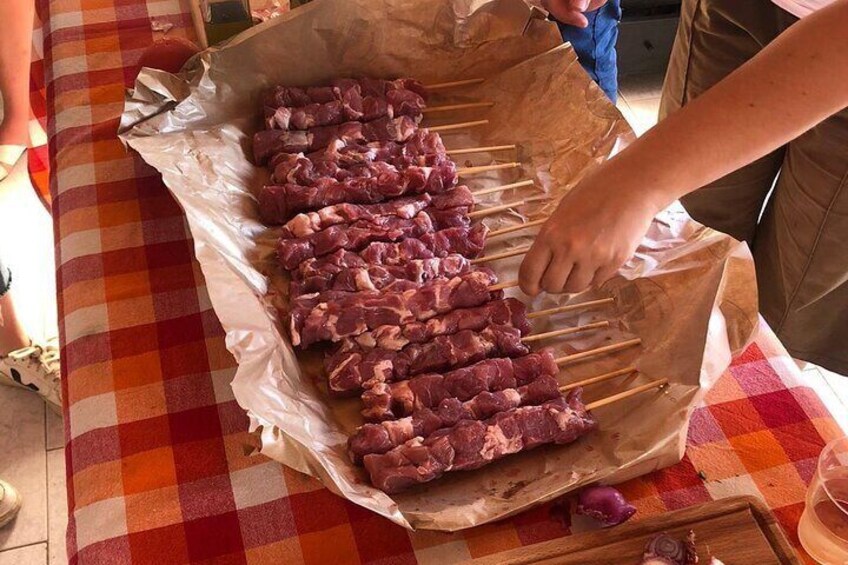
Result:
{"points": [[157, 471], [37, 163]]}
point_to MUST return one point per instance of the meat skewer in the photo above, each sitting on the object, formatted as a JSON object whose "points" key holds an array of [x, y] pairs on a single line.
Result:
{"points": [[358, 234], [361, 367], [471, 444], [267, 143], [355, 367], [308, 223], [506, 311], [423, 148], [341, 159], [384, 436], [279, 203], [355, 236], [334, 316], [339, 90], [468, 242], [298, 169], [381, 277], [355, 107], [389, 401], [351, 107]]}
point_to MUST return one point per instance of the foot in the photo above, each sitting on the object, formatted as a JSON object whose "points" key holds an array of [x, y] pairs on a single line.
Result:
{"points": [[10, 503], [36, 368]]}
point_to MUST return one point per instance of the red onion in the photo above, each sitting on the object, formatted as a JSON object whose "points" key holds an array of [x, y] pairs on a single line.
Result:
{"points": [[665, 550], [604, 504]]}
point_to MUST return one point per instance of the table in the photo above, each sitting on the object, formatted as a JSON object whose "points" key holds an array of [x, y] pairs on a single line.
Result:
{"points": [[157, 470]]}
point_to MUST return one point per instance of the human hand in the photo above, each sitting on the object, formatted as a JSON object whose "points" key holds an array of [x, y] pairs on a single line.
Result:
{"points": [[571, 11], [595, 229]]}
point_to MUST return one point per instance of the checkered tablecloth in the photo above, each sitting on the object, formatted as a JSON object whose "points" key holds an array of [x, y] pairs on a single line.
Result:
{"points": [[157, 470]]}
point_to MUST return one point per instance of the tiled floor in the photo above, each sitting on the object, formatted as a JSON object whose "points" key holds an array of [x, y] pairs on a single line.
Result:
{"points": [[639, 100], [31, 439], [32, 456]]}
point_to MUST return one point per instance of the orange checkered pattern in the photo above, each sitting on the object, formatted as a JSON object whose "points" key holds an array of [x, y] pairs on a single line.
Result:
{"points": [[37, 157], [157, 471]]}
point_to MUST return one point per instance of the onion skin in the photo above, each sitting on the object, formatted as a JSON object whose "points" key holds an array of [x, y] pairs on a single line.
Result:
{"points": [[604, 504], [665, 550]]}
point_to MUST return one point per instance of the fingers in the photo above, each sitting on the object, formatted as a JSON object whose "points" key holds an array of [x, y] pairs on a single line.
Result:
{"points": [[568, 11], [556, 275], [602, 275], [579, 278], [576, 19], [532, 268]]}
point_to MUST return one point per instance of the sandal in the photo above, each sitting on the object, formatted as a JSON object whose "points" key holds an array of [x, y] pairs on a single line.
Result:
{"points": [[9, 157]]}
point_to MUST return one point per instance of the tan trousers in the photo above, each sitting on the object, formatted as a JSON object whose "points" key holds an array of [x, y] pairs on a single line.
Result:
{"points": [[800, 243]]}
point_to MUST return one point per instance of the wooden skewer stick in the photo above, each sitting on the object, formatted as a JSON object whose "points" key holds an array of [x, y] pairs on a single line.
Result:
{"points": [[503, 286], [461, 125], [569, 307], [502, 188], [598, 379], [597, 351], [451, 107], [503, 255], [454, 84], [566, 331], [463, 171], [519, 227], [627, 394], [501, 207], [488, 149]]}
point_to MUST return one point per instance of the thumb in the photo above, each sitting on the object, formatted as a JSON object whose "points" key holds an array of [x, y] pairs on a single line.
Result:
{"points": [[576, 19], [573, 18]]}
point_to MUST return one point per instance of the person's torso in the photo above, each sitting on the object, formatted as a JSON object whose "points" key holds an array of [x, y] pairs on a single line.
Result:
{"points": [[801, 8]]}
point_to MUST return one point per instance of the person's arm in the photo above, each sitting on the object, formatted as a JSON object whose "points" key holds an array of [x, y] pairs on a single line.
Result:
{"points": [[797, 81]]}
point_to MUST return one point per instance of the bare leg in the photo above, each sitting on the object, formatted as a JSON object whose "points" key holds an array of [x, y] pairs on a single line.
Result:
{"points": [[15, 46], [12, 334]]}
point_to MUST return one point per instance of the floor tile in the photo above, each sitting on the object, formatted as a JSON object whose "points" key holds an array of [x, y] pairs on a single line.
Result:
{"points": [[55, 431], [57, 502], [644, 114], [29, 555], [641, 86], [24, 464]]}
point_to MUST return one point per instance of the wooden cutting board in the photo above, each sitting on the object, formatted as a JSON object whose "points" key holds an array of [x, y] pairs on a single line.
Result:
{"points": [[738, 531]]}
